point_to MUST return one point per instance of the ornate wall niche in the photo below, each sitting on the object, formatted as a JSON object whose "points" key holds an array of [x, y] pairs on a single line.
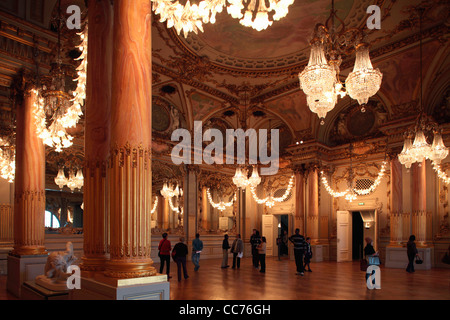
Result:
{"points": [[351, 124], [166, 117]]}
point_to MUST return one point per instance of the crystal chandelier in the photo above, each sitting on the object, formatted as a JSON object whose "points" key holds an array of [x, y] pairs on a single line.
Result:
{"points": [[190, 18], [320, 78], [364, 81], [74, 181], [169, 192], [242, 181], [56, 106], [420, 150]]}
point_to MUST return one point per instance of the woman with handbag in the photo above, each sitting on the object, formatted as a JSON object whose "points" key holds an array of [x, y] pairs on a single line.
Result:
{"points": [[411, 251], [237, 249]]}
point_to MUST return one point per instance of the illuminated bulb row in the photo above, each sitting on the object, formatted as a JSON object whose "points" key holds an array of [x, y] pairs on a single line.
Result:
{"points": [[269, 201], [351, 195], [155, 205], [441, 174], [220, 205], [333, 193], [177, 209]]}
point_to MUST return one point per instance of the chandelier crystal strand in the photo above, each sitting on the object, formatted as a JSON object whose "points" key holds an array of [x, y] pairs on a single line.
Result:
{"points": [[364, 81], [73, 113], [420, 148]]}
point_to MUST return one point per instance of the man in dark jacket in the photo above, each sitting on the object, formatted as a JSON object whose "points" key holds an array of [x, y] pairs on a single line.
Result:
{"points": [[299, 250]]}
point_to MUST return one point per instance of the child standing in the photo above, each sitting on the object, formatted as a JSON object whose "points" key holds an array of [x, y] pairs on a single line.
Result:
{"points": [[262, 254], [308, 254]]}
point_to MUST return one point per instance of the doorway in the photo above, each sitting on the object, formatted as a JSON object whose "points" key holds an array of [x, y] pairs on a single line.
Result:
{"points": [[283, 234], [357, 235]]}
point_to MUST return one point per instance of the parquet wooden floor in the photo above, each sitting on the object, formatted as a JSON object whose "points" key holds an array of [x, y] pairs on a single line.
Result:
{"points": [[328, 281]]}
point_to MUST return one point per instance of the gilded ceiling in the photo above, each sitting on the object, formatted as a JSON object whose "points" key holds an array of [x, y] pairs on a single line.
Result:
{"points": [[247, 78]]}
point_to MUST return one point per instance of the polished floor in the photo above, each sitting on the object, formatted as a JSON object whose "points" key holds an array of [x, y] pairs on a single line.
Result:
{"points": [[328, 281]]}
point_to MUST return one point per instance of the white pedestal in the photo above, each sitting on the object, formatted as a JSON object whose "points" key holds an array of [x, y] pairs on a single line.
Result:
{"points": [[23, 268], [396, 258], [103, 288], [4, 252]]}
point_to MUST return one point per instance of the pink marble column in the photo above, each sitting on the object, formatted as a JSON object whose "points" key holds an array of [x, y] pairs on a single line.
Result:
{"points": [[29, 195], [130, 177], [97, 135], [419, 202], [396, 203], [313, 205], [299, 215]]}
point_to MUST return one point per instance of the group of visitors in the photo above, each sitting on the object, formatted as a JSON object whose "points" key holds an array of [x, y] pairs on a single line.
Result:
{"points": [[179, 253], [302, 252]]}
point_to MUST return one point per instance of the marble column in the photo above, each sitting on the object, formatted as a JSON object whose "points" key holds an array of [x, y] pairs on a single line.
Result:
{"points": [[205, 209], [312, 229], [97, 135], [396, 203], [299, 201], [419, 215], [129, 168], [29, 195]]}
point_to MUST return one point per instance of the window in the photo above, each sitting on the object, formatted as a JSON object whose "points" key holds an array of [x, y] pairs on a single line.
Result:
{"points": [[365, 183], [51, 221]]}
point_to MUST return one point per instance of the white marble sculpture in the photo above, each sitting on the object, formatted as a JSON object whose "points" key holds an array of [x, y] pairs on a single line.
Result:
{"points": [[55, 271]]}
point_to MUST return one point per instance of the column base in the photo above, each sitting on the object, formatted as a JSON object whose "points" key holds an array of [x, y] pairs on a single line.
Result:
{"points": [[23, 268], [101, 287], [125, 269], [93, 264]]}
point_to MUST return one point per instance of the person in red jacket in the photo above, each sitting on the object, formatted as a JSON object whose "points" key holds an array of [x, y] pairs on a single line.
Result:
{"points": [[164, 248]]}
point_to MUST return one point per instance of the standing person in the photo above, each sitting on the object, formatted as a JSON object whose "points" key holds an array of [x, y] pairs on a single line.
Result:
{"points": [[285, 243], [180, 251], [299, 249], [262, 254], [164, 248], [411, 251], [225, 247], [237, 248], [255, 240], [308, 255], [197, 247]]}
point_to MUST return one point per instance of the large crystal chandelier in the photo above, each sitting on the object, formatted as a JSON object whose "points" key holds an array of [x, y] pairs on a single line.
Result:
{"points": [[364, 81], [419, 149], [55, 108], [320, 78], [191, 17]]}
